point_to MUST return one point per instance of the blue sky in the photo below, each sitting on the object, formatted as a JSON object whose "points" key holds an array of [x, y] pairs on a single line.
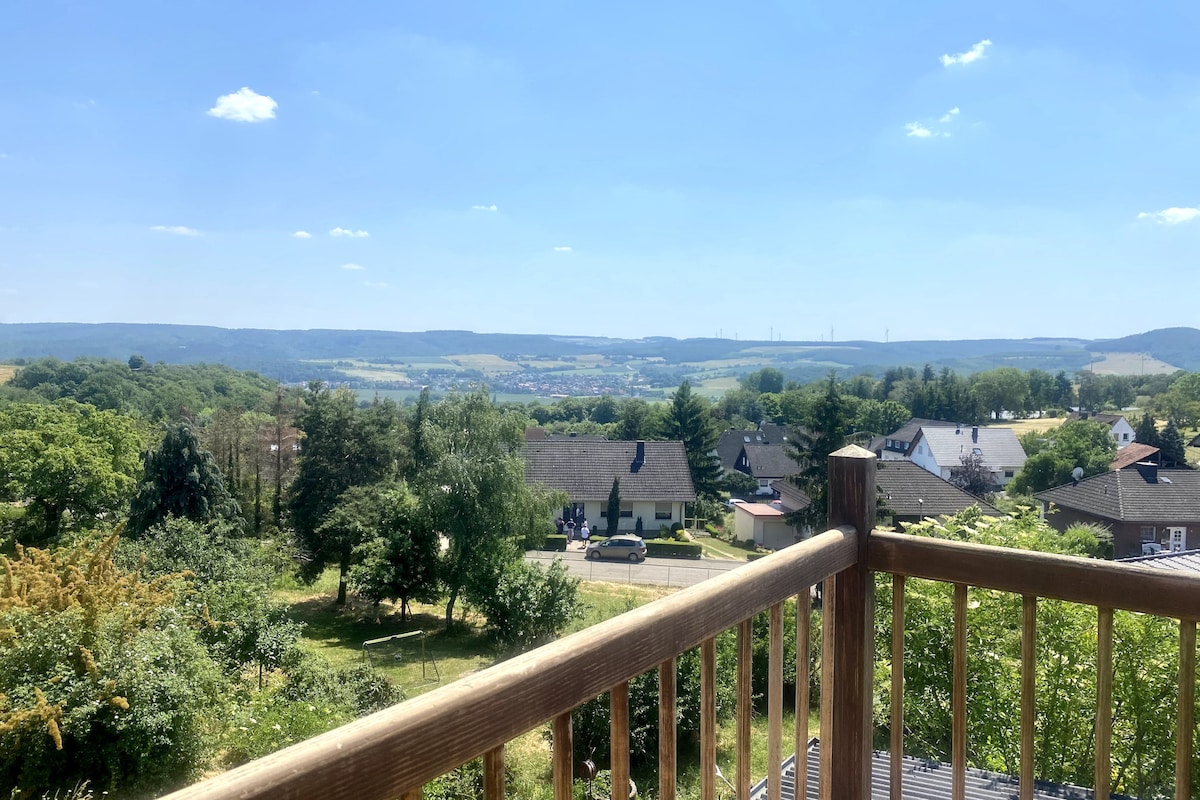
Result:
{"points": [[916, 170]]}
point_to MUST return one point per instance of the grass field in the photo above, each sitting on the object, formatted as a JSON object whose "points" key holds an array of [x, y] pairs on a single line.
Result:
{"points": [[338, 633], [1022, 426], [6, 373], [1130, 364], [484, 362]]}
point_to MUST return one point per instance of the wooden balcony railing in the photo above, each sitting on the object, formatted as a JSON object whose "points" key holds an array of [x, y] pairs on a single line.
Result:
{"points": [[394, 752]]}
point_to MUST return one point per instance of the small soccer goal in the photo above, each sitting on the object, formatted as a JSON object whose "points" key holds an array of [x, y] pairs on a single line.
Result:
{"points": [[401, 647]]}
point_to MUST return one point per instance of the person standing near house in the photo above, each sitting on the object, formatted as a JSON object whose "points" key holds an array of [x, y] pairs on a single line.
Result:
{"points": [[570, 531], [585, 534]]}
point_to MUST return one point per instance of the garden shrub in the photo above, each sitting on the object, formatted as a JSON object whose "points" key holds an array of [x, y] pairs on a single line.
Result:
{"points": [[531, 604], [655, 547], [104, 680], [555, 541]]}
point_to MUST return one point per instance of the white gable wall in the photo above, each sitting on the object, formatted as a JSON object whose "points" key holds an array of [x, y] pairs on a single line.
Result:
{"points": [[1123, 433]]}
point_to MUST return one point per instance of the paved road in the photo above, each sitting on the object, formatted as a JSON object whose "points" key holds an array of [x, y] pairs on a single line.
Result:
{"points": [[654, 571]]}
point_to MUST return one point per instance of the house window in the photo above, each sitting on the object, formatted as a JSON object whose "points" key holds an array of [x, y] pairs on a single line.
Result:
{"points": [[904, 445], [976, 451], [1125, 437], [626, 508], [1149, 534], [1008, 473], [662, 510]]}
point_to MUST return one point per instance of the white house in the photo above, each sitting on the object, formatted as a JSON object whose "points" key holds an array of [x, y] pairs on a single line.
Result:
{"points": [[941, 451], [655, 481], [1122, 432]]}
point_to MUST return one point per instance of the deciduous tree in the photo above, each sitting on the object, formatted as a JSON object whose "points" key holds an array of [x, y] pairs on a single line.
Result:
{"points": [[474, 492], [67, 463], [399, 561]]}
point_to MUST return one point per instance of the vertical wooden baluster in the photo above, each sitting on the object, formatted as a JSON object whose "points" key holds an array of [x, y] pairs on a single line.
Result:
{"points": [[958, 733], [493, 774], [618, 740], [563, 758], [1187, 699], [896, 768], [803, 698], [775, 705], [1104, 679], [708, 720], [1028, 662], [825, 750], [744, 642], [666, 730]]}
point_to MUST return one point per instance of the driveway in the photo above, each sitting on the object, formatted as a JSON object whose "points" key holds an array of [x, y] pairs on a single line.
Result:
{"points": [[654, 571]]}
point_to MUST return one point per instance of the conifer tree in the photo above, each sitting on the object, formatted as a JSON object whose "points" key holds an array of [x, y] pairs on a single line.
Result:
{"points": [[689, 421], [614, 507], [180, 479], [1171, 446]]}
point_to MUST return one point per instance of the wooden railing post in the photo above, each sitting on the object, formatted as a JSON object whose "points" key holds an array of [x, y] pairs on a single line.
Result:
{"points": [[848, 629]]}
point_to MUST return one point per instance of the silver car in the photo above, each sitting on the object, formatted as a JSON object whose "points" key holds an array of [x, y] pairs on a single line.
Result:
{"points": [[621, 548]]}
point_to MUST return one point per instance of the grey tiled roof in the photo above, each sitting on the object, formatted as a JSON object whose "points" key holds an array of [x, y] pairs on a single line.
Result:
{"points": [[905, 485], [773, 433], [1186, 561], [792, 497], [729, 447], [1127, 496], [998, 447], [1096, 416], [908, 431], [770, 461], [924, 779], [585, 469]]}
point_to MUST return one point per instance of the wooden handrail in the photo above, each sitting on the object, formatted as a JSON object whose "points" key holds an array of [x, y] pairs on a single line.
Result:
{"points": [[405, 746], [1102, 584]]}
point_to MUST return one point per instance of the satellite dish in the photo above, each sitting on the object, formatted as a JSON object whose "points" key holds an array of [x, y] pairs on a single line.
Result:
{"points": [[1077, 473]]}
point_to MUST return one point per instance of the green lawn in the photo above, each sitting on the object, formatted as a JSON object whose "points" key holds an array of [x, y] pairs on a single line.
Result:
{"points": [[719, 548], [338, 634]]}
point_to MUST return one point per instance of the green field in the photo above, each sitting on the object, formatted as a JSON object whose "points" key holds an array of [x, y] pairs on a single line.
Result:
{"points": [[401, 395]]}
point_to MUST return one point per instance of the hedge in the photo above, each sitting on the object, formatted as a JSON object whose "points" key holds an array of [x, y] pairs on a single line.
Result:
{"points": [[683, 549], [756, 556], [555, 542]]}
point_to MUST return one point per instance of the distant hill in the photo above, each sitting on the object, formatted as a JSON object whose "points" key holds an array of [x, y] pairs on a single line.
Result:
{"points": [[1177, 346], [283, 353]]}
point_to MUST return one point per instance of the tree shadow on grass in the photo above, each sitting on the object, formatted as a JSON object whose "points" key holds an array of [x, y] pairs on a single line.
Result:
{"points": [[345, 628]]}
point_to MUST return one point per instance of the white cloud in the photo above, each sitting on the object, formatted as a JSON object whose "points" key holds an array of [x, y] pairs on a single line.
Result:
{"points": [[301, 235], [1171, 216], [492, 207], [949, 115], [563, 249], [375, 284], [353, 266], [244, 105], [178, 230], [974, 54], [339, 233], [918, 130]]}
